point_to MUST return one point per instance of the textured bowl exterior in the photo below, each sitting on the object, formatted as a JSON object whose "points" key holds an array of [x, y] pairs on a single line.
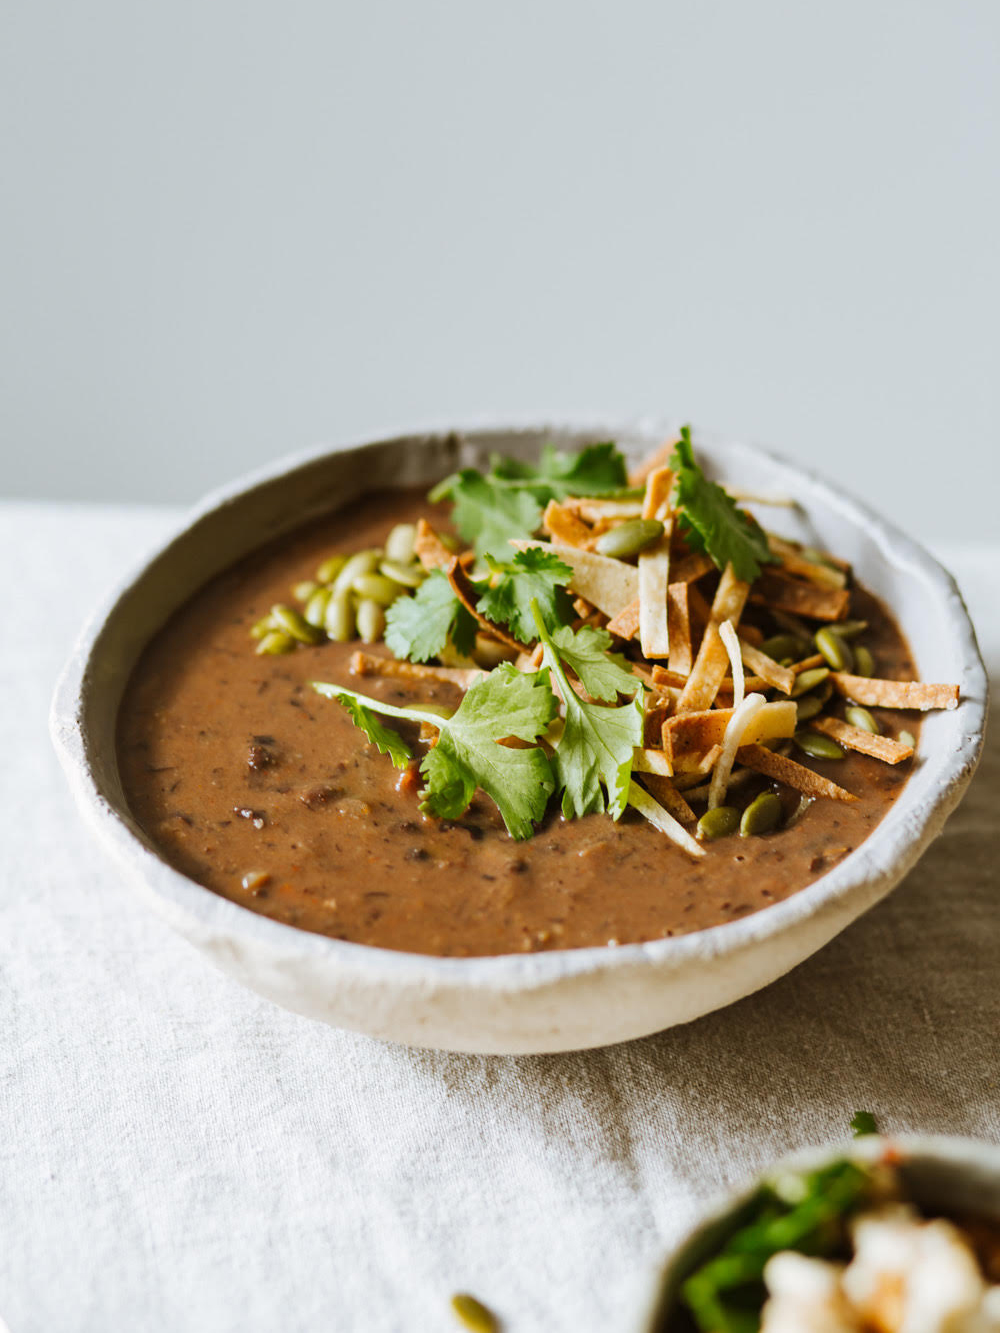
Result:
{"points": [[553, 1001], [950, 1174]]}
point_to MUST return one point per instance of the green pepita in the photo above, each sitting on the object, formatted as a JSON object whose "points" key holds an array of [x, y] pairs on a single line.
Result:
{"points": [[315, 611], [371, 620], [263, 627], [339, 621], [629, 538], [835, 650], [399, 543], [850, 629], [761, 815], [864, 663], [330, 568], [295, 624], [809, 707], [782, 647], [377, 588], [275, 643], [808, 680], [721, 822], [861, 718], [409, 576], [818, 746], [304, 590], [362, 562], [907, 738]]}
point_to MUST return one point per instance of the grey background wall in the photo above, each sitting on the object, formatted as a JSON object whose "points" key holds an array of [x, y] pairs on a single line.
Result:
{"points": [[235, 229]]}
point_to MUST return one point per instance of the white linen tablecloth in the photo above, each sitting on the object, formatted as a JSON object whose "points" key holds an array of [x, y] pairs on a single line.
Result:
{"points": [[179, 1155]]}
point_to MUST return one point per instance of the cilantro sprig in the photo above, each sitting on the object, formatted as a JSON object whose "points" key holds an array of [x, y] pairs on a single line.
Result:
{"points": [[506, 502], [532, 575], [506, 704], [419, 627], [595, 751], [711, 521]]}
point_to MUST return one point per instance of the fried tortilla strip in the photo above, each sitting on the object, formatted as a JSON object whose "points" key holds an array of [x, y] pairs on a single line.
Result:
{"points": [[807, 664], [582, 607], [626, 623], [654, 568], [691, 567], [660, 458], [856, 738], [562, 525], [651, 809], [782, 769], [781, 678], [695, 733], [429, 549], [608, 584], [698, 764], [651, 761], [795, 562], [371, 664], [777, 590], [593, 510], [670, 798], [679, 628], [656, 501], [875, 693], [465, 591], [712, 661], [752, 684]]}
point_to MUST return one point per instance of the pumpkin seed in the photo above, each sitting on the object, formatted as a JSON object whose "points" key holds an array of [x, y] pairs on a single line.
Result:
{"points": [[761, 815], [339, 619], [399, 543], [362, 562], [304, 590], [782, 646], [263, 627], [864, 663], [721, 822], [474, 1314], [818, 746], [315, 611], [809, 707], [371, 620], [295, 624], [629, 538], [861, 718], [850, 629], [376, 588], [410, 576], [275, 643], [835, 649], [808, 680], [907, 738], [330, 568]]}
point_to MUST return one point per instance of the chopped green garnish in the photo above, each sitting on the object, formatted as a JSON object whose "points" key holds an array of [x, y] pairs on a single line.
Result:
{"points": [[419, 627], [506, 503], [505, 704], [532, 574], [596, 747], [602, 673], [863, 1123], [711, 521]]}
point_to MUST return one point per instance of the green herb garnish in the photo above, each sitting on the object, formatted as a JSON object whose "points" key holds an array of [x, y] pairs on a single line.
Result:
{"points": [[420, 627], [506, 503], [506, 704], [863, 1124], [710, 520], [595, 750], [532, 575]]}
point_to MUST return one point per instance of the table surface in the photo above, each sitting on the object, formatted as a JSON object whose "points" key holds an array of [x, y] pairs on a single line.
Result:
{"points": [[178, 1154]]}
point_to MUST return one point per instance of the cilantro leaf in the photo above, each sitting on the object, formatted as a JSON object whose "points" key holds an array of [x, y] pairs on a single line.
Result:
{"points": [[468, 754], [711, 521], [597, 743], [419, 627], [534, 573], [863, 1123], [602, 673], [383, 738], [507, 502]]}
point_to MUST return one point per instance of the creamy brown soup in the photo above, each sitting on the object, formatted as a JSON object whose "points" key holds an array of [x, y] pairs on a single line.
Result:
{"points": [[235, 767]]}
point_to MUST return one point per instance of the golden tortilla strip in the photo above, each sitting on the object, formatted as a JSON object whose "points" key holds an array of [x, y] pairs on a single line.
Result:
{"points": [[751, 684], [666, 678], [651, 760], [429, 549], [782, 769], [712, 661], [608, 584], [661, 458], [626, 623], [679, 628], [698, 763], [777, 590], [795, 562], [465, 591], [691, 567], [856, 738], [670, 798], [687, 734], [875, 693], [582, 607], [781, 678], [594, 510], [562, 525], [371, 664], [656, 501], [807, 664]]}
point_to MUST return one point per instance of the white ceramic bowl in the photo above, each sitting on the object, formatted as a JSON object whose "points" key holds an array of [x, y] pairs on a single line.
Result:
{"points": [[552, 1001], [948, 1174]]}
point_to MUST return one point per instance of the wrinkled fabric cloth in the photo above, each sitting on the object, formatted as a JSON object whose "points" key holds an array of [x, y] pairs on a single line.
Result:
{"points": [[177, 1155]]}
